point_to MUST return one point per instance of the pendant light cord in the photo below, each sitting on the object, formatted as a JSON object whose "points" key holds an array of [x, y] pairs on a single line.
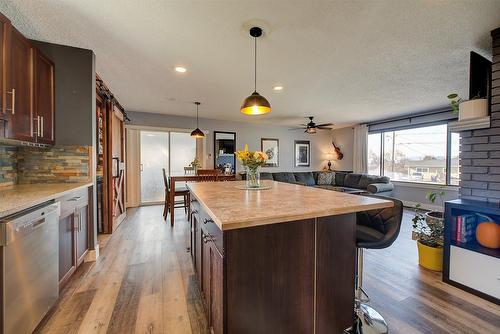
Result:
{"points": [[255, 64], [197, 115]]}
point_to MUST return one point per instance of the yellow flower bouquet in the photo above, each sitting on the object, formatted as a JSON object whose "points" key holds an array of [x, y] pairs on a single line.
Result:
{"points": [[252, 161]]}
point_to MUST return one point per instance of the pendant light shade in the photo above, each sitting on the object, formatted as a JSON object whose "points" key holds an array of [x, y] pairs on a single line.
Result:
{"points": [[197, 133], [255, 104]]}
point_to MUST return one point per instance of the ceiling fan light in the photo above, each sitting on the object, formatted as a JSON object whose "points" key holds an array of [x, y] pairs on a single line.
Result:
{"points": [[311, 131], [197, 133], [255, 104]]}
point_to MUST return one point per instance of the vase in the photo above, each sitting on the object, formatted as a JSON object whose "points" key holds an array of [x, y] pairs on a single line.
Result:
{"points": [[252, 177]]}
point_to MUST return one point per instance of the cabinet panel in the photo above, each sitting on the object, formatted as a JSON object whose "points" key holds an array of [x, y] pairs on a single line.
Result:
{"points": [[82, 233], [67, 259], [44, 98], [205, 270], [478, 271], [216, 291], [197, 248], [19, 90], [4, 26]]}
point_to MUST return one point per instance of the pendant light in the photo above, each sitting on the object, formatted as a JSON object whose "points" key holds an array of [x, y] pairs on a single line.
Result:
{"points": [[197, 133], [255, 104]]}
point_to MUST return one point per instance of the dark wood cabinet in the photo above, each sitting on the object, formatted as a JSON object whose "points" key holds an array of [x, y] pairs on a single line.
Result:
{"points": [[44, 102], [19, 87], [67, 259], [82, 233], [205, 268], [27, 89], [4, 26], [73, 232], [216, 293], [208, 263]]}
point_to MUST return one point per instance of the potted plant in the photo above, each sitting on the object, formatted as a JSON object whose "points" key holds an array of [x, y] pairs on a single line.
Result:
{"points": [[195, 164], [477, 107], [428, 230], [252, 161]]}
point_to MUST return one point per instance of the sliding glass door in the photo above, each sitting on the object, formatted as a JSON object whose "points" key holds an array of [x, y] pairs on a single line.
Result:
{"points": [[171, 151], [154, 157]]}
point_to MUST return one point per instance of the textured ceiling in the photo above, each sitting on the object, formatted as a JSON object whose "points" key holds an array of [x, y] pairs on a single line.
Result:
{"points": [[342, 61]]}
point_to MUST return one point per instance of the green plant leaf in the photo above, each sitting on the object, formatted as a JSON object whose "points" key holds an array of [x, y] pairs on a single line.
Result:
{"points": [[452, 96]]}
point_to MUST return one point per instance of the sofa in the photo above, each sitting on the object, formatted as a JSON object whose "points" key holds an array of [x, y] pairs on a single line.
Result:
{"points": [[341, 181]]}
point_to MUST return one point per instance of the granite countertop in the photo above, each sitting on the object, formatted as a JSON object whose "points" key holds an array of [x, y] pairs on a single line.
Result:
{"points": [[232, 208], [23, 196]]}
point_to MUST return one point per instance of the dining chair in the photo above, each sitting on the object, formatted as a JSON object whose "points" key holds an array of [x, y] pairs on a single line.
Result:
{"points": [[179, 191], [208, 175]]}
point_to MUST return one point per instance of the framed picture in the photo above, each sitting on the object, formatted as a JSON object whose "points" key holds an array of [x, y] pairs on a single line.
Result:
{"points": [[302, 153], [271, 147]]}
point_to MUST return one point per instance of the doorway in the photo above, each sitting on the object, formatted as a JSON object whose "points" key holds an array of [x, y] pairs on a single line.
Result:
{"points": [[169, 150]]}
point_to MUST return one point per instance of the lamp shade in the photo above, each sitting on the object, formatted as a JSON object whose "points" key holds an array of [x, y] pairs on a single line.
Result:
{"points": [[255, 104], [197, 133]]}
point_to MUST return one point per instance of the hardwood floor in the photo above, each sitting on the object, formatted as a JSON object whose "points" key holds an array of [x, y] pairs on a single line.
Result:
{"points": [[144, 283]]}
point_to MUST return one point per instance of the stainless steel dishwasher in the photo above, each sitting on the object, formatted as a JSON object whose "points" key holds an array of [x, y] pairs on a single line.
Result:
{"points": [[29, 244]]}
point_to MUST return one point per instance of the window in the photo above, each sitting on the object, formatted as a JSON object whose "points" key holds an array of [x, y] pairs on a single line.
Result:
{"points": [[374, 151], [415, 154]]}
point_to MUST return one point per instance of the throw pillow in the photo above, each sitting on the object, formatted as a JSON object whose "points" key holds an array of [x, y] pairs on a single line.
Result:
{"points": [[326, 178]]}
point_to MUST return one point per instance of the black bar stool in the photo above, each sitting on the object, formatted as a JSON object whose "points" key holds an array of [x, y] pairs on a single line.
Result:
{"points": [[375, 229]]}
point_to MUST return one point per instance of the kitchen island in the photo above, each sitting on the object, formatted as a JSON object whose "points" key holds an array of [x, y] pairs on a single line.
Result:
{"points": [[280, 260]]}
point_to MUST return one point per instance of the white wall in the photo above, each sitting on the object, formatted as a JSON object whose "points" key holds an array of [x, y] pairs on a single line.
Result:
{"points": [[344, 140], [247, 133]]}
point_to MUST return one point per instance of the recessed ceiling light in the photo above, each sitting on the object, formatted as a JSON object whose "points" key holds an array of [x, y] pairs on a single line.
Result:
{"points": [[180, 69], [278, 88]]}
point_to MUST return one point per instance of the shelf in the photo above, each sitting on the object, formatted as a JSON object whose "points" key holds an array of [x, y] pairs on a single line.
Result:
{"points": [[470, 124], [475, 247]]}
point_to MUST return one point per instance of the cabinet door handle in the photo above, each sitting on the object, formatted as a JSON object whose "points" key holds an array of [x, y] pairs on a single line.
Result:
{"points": [[207, 220], [193, 212], [193, 200], [206, 239], [74, 199], [41, 126], [13, 100]]}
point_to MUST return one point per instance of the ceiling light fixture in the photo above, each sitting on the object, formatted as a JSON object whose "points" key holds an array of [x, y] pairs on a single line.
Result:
{"points": [[255, 104], [278, 88], [197, 133], [180, 69]]}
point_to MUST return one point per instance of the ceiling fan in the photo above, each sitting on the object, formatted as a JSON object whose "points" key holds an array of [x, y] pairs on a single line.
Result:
{"points": [[312, 127]]}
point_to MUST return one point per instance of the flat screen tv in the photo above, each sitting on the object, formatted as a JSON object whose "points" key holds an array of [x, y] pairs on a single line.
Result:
{"points": [[479, 76]]}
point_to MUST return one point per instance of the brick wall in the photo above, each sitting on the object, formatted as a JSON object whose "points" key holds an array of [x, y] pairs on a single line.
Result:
{"points": [[24, 165], [480, 149]]}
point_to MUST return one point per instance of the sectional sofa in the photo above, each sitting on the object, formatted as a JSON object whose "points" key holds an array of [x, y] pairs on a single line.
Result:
{"points": [[340, 181]]}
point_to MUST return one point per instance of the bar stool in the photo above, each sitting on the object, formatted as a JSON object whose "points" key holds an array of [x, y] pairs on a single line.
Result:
{"points": [[375, 229]]}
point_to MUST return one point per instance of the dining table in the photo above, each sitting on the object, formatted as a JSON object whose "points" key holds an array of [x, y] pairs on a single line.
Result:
{"points": [[189, 178]]}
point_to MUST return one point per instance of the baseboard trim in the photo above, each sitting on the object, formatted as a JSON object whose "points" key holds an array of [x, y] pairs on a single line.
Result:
{"points": [[92, 255]]}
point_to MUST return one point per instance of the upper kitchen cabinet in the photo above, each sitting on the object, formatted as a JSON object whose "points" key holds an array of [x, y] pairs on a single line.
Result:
{"points": [[19, 87], [44, 98], [4, 26], [27, 88]]}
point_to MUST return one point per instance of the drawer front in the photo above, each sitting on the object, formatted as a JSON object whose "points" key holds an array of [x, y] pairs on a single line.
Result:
{"points": [[76, 199], [208, 226], [475, 270]]}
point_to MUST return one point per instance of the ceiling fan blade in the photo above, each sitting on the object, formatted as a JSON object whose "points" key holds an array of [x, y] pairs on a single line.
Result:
{"points": [[296, 128], [324, 128], [325, 124]]}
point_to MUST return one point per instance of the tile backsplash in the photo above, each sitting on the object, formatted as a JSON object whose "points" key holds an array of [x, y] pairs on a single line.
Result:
{"points": [[44, 165], [8, 165]]}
